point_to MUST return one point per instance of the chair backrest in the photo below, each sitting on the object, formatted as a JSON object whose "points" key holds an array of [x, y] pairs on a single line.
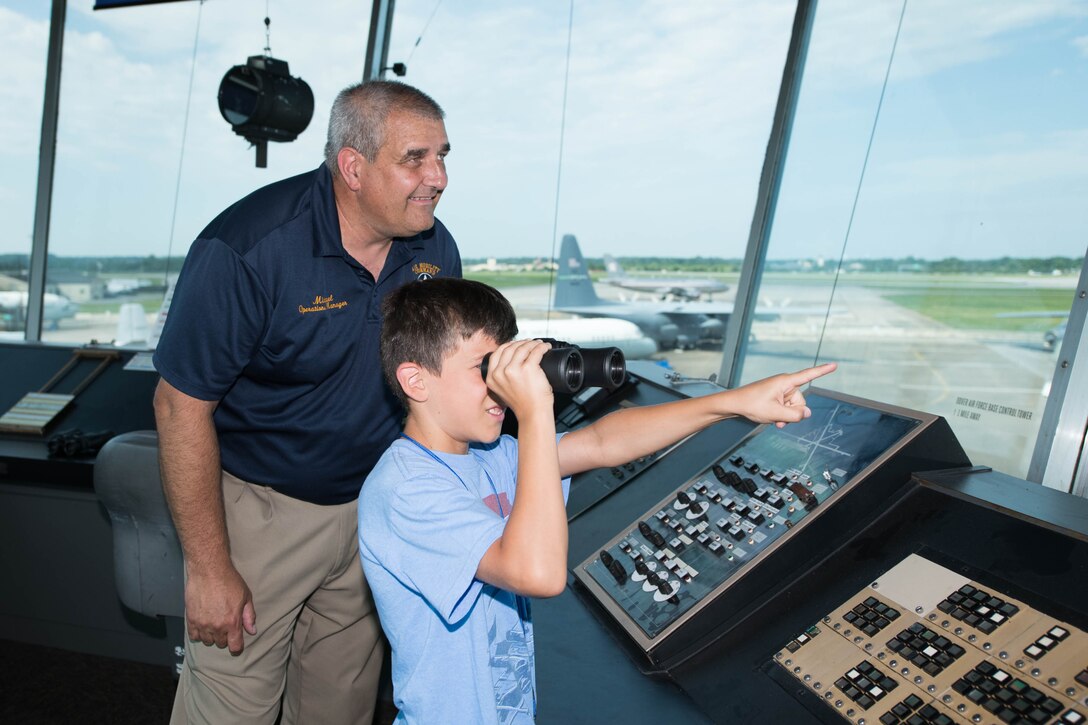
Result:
{"points": [[147, 558]]}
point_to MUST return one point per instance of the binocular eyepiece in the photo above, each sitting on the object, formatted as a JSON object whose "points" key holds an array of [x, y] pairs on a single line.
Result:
{"points": [[570, 368]]}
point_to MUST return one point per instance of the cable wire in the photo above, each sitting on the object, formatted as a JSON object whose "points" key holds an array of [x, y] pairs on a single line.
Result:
{"points": [[861, 180], [420, 36], [559, 165], [184, 134]]}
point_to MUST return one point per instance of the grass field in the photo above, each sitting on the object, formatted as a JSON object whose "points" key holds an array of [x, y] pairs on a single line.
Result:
{"points": [[979, 309], [510, 279]]}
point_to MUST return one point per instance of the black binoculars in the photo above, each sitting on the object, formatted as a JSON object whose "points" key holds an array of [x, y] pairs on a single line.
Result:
{"points": [[76, 443], [570, 368]]}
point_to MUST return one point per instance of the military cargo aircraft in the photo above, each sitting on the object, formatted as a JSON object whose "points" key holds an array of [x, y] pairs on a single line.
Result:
{"points": [[664, 288], [672, 325]]}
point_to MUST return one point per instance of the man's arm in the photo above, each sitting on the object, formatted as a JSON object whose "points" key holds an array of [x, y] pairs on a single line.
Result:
{"points": [[217, 601], [530, 557], [627, 434]]}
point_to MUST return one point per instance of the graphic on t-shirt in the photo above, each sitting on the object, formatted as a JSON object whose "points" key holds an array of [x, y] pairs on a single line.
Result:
{"points": [[500, 505], [511, 667]]}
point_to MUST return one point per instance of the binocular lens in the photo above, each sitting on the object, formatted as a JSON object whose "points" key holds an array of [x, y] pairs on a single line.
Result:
{"points": [[605, 367], [564, 369], [570, 368]]}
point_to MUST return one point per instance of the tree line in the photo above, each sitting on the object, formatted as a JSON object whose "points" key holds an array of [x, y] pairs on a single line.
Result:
{"points": [[18, 264]]}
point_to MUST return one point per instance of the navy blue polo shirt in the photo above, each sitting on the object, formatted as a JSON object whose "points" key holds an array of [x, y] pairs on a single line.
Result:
{"points": [[272, 318]]}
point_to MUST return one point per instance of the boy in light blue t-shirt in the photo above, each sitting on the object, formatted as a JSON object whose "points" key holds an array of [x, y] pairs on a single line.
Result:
{"points": [[458, 525]]}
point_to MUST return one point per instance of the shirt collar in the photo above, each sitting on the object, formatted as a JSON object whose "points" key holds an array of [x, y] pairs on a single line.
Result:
{"points": [[327, 239]]}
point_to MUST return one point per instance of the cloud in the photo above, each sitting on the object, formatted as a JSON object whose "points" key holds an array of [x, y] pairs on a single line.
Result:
{"points": [[851, 42], [23, 42], [668, 110], [664, 105]]}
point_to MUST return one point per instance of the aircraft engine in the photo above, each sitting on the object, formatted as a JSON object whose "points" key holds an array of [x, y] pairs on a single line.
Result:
{"points": [[711, 327], [667, 335]]}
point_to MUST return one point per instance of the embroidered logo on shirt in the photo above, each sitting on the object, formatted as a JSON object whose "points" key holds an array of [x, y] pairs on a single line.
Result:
{"points": [[425, 270], [322, 304]]}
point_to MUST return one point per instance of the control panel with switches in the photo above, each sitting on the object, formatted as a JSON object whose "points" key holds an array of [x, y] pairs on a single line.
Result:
{"points": [[662, 570], [924, 644]]}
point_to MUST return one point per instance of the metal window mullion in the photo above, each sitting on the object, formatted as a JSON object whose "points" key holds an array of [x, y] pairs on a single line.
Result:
{"points": [[377, 47], [1058, 460], [739, 326], [47, 153]]}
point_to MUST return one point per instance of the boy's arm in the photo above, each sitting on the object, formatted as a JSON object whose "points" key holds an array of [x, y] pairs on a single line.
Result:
{"points": [[627, 434], [530, 557]]}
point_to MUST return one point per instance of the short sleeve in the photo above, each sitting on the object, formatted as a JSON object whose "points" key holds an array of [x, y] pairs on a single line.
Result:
{"points": [[438, 531], [217, 319], [506, 449]]}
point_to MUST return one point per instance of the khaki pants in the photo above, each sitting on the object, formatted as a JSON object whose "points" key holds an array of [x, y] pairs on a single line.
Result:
{"points": [[318, 646]]}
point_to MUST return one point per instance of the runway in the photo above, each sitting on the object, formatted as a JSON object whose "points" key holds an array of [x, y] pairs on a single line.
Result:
{"points": [[992, 387]]}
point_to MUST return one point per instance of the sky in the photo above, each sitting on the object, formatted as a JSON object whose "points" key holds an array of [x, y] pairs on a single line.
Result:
{"points": [[651, 144]]}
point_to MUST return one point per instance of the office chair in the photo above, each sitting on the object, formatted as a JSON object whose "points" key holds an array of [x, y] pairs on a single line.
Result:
{"points": [[147, 559]]}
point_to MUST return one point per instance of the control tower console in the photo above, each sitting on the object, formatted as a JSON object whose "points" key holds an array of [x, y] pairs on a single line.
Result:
{"points": [[697, 556]]}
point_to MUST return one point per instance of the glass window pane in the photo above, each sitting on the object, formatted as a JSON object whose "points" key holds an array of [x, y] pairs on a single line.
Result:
{"points": [[649, 149], [133, 185], [945, 283], [24, 38]]}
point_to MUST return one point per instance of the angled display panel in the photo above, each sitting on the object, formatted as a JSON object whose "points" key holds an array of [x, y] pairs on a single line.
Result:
{"points": [[670, 573]]}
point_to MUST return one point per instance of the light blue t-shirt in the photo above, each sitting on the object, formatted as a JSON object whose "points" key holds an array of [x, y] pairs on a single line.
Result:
{"points": [[462, 649]]}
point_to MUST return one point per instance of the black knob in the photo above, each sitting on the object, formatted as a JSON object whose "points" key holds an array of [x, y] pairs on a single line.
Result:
{"points": [[618, 571], [606, 558], [683, 497], [644, 529], [641, 568]]}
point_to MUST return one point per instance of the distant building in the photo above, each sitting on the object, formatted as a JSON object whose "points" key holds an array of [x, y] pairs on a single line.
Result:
{"points": [[12, 284], [494, 265], [76, 286]]}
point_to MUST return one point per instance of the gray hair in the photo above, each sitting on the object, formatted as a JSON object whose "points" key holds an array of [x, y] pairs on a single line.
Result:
{"points": [[359, 113]]}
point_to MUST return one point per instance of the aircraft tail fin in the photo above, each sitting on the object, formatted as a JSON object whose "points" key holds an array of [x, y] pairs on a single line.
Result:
{"points": [[573, 286], [612, 266]]}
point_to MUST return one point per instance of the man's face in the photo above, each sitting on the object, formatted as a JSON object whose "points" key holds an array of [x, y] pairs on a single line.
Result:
{"points": [[462, 404], [401, 187]]}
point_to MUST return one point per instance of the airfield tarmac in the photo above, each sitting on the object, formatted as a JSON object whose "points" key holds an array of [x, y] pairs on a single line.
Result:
{"points": [[991, 386]]}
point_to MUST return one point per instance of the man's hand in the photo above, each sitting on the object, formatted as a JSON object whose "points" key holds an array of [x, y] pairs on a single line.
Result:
{"points": [[217, 607], [515, 377], [778, 399]]}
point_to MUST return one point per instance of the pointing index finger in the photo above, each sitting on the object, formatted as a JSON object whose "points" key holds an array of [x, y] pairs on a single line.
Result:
{"points": [[809, 374]]}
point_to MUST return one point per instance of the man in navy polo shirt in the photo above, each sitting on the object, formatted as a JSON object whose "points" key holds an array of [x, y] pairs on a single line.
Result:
{"points": [[272, 409]]}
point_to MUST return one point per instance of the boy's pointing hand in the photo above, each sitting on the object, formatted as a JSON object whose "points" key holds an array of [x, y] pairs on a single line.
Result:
{"points": [[778, 399]]}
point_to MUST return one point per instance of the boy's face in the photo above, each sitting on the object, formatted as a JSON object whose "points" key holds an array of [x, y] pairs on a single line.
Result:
{"points": [[462, 405]]}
